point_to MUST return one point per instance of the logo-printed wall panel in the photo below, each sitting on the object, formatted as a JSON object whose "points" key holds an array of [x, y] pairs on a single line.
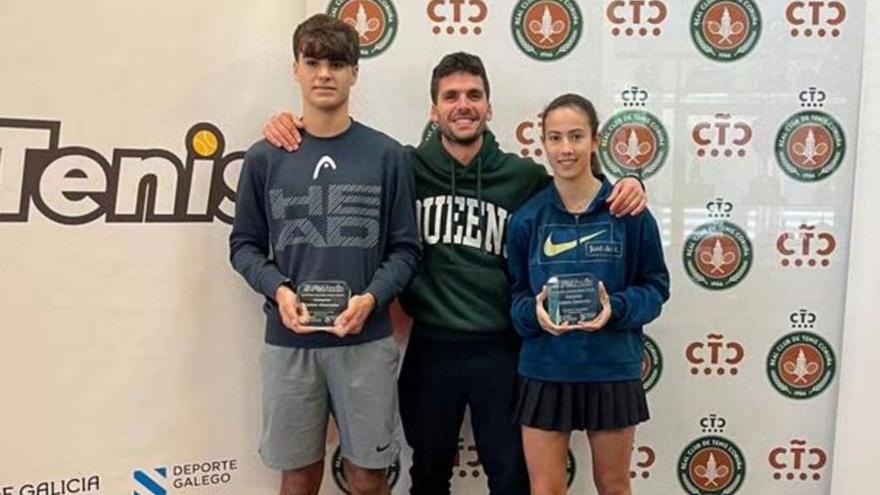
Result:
{"points": [[740, 116], [130, 350]]}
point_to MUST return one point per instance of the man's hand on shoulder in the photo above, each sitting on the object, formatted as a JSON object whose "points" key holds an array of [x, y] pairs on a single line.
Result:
{"points": [[282, 131], [627, 198]]}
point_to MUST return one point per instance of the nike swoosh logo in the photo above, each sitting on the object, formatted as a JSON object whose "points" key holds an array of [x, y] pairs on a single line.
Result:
{"points": [[382, 449], [551, 250]]}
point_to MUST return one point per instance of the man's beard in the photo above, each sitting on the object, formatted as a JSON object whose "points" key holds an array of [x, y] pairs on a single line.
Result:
{"points": [[447, 133]]}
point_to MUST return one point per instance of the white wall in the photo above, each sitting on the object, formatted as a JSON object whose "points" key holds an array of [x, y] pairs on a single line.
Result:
{"points": [[858, 431]]}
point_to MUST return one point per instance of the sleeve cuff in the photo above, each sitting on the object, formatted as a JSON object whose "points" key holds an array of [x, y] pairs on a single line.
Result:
{"points": [[271, 282], [636, 177], [381, 291], [618, 307]]}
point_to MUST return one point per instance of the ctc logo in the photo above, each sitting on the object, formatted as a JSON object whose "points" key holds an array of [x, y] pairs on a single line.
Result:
{"points": [[637, 15], [467, 467], [815, 14], [812, 249], [643, 460], [798, 460], [715, 352], [467, 15], [528, 134], [722, 136]]}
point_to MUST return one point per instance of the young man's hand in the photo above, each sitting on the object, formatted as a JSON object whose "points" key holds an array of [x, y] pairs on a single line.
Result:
{"points": [[282, 131], [294, 314], [352, 320], [627, 198]]}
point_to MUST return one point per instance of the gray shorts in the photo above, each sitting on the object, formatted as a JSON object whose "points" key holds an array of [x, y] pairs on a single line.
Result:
{"points": [[356, 383]]}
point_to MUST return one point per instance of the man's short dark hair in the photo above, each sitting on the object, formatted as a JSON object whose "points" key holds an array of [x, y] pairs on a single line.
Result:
{"points": [[458, 62], [325, 37]]}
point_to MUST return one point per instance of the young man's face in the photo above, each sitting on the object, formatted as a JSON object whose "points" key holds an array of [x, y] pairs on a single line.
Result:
{"points": [[325, 83], [462, 110]]}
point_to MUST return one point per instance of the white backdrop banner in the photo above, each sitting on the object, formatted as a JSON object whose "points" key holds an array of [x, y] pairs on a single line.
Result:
{"points": [[129, 356]]}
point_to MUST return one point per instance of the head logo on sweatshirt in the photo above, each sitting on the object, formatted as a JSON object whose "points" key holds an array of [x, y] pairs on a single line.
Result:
{"points": [[633, 141], [801, 364], [811, 144], [325, 162], [652, 364], [712, 464], [725, 30], [374, 20], [718, 254], [546, 29], [392, 472]]}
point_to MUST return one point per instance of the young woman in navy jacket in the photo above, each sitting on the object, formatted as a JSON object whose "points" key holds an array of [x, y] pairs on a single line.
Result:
{"points": [[583, 375]]}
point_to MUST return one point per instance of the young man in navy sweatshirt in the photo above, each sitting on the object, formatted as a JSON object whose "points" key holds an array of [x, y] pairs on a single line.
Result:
{"points": [[336, 216]]}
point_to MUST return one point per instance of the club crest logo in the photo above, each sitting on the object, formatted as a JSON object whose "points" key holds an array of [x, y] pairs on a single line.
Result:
{"points": [[633, 142], [546, 29], [652, 364], [712, 465], [801, 365], [725, 30], [810, 146], [374, 20], [718, 254]]}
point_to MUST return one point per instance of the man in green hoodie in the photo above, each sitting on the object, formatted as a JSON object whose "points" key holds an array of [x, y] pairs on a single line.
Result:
{"points": [[462, 350]]}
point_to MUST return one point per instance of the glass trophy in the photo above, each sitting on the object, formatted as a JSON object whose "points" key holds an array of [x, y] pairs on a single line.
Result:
{"points": [[573, 299], [325, 300]]}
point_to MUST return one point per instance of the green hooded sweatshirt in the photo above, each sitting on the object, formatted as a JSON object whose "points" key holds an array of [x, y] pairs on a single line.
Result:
{"points": [[462, 291]]}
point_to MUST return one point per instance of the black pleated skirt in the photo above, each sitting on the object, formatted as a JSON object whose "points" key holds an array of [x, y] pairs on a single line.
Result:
{"points": [[556, 406]]}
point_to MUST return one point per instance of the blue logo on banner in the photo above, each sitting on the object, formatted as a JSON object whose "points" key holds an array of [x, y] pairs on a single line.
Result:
{"points": [[148, 481]]}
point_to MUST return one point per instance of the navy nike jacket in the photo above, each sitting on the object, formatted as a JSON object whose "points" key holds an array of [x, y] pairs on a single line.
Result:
{"points": [[624, 253]]}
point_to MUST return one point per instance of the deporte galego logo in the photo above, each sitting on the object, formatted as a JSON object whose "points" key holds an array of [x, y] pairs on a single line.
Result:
{"points": [[179, 477]]}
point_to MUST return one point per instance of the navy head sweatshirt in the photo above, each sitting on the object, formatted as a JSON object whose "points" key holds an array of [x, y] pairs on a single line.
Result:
{"points": [[341, 208]]}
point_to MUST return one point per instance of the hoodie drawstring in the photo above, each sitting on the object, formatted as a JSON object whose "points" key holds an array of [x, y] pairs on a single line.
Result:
{"points": [[482, 224], [482, 205]]}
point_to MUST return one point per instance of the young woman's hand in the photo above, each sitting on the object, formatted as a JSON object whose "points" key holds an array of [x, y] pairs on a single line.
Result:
{"points": [[544, 319], [602, 318]]}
